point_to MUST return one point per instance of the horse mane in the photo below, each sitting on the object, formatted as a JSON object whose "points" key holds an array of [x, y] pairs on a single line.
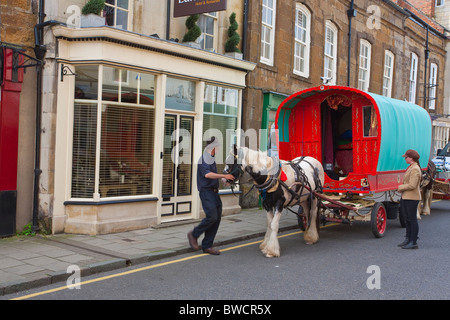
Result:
{"points": [[258, 159]]}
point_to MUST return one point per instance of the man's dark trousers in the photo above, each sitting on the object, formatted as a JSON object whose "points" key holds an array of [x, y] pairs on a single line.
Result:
{"points": [[212, 206]]}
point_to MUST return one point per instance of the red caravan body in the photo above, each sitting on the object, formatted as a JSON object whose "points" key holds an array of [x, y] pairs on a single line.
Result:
{"points": [[378, 129]]}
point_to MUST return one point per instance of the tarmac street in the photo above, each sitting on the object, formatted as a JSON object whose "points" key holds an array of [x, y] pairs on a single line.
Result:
{"points": [[28, 262], [347, 263]]}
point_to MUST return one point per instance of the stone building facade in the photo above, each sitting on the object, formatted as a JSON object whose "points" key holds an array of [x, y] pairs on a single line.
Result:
{"points": [[136, 61], [315, 34], [18, 113], [126, 111], [296, 44]]}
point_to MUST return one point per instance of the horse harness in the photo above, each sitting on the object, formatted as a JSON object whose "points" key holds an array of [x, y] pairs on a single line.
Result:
{"points": [[301, 180], [273, 181]]}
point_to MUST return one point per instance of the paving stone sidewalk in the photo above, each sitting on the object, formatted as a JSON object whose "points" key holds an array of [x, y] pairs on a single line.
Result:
{"points": [[29, 262]]}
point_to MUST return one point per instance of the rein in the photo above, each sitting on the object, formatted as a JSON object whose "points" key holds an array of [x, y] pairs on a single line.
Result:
{"points": [[236, 171]]}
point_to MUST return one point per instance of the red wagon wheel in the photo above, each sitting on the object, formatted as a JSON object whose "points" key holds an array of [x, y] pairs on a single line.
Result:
{"points": [[378, 220]]}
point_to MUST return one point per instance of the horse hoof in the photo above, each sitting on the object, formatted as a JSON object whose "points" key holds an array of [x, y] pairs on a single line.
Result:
{"points": [[270, 255]]}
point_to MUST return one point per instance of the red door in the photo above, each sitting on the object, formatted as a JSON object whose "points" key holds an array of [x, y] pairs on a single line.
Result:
{"points": [[9, 138]]}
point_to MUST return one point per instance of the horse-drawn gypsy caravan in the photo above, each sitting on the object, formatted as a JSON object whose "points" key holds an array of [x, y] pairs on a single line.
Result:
{"points": [[359, 137]]}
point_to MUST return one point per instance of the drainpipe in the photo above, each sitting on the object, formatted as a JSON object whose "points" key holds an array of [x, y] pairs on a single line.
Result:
{"points": [[39, 51], [351, 13], [244, 30], [427, 56], [168, 20]]}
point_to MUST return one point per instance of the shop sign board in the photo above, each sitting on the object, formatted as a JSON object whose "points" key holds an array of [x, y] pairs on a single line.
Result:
{"points": [[188, 7]]}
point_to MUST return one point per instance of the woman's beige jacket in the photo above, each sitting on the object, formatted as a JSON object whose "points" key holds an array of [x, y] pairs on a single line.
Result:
{"points": [[410, 188]]}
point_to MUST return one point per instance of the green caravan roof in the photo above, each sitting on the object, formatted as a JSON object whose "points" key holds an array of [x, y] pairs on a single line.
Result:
{"points": [[403, 125]]}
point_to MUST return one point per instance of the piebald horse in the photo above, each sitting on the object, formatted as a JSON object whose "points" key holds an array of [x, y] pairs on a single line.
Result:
{"points": [[281, 184]]}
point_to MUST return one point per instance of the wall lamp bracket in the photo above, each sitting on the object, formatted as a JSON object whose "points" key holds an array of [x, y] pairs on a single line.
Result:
{"points": [[66, 71]]}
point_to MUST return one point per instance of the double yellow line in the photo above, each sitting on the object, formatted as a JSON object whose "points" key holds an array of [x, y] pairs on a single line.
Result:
{"points": [[148, 268]]}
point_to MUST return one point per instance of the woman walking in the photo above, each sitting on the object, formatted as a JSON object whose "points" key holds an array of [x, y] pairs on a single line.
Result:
{"points": [[409, 202]]}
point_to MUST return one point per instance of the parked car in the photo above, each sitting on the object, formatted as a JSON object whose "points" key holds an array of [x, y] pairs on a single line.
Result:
{"points": [[442, 159]]}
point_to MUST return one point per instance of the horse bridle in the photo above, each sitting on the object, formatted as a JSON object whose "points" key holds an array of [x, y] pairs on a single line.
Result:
{"points": [[236, 169]]}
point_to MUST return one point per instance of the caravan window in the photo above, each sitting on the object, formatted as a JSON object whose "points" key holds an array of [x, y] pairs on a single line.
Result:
{"points": [[370, 122]]}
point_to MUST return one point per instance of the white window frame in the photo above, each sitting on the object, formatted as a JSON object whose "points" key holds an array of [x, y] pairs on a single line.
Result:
{"points": [[440, 3], [116, 8], [330, 53], [302, 42], [365, 61], [413, 78], [433, 86], [200, 40], [388, 73], [268, 32], [99, 128]]}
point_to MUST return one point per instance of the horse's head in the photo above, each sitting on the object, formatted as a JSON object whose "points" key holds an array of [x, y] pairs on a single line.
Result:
{"points": [[233, 165], [257, 164]]}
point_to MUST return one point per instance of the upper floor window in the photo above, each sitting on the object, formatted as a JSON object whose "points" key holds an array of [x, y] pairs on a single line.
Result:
{"points": [[440, 3], [117, 13], [268, 31], [207, 23], [388, 73], [413, 78], [365, 56], [433, 86], [330, 52], [302, 40]]}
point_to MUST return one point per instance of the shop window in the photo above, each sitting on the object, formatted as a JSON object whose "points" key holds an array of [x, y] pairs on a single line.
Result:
{"points": [[220, 119], [122, 163], [86, 86], [180, 94], [84, 150]]}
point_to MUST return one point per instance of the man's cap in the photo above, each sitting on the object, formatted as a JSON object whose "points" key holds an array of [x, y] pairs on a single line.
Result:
{"points": [[212, 143]]}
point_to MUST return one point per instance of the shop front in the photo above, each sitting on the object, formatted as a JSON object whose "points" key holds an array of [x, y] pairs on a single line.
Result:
{"points": [[133, 114]]}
